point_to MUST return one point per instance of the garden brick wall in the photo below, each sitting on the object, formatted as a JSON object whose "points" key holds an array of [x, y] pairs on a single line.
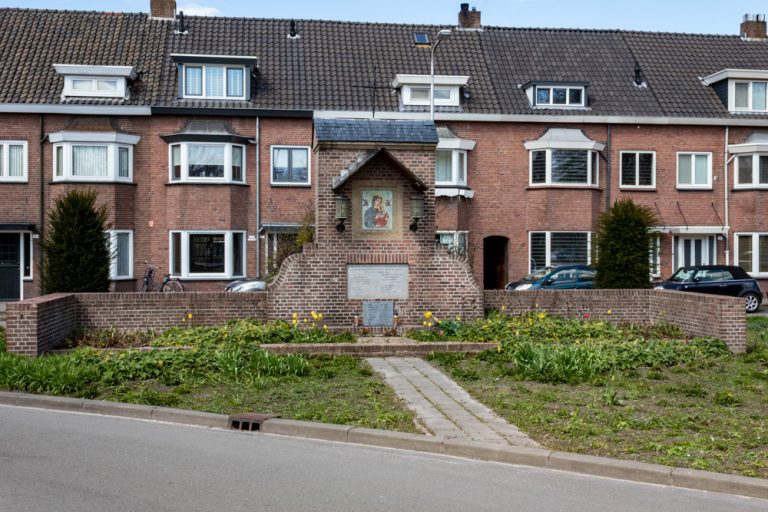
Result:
{"points": [[41, 324], [696, 314], [37, 325]]}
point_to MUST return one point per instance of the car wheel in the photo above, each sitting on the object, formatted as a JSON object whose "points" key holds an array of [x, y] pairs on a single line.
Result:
{"points": [[752, 302]]}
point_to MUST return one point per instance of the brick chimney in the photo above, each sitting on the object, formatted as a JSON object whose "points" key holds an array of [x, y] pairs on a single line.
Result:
{"points": [[467, 18], [162, 9], [753, 27]]}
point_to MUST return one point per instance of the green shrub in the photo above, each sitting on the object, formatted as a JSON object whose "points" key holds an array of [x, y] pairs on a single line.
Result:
{"points": [[76, 255], [3, 347], [623, 241]]}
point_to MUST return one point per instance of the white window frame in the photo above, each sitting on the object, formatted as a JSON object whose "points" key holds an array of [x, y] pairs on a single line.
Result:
{"points": [[755, 270], [637, 154], [5, 168], [451, 101], [113, 162], [755, 182], [204, 93], [654, 256], [289, 183], [112, 234], [228, 253], [591, 155], [456, 168], [548, 247], [694, 186], [454, 247], [184, 155], [750, 88], [567, 103], [94, 92]]}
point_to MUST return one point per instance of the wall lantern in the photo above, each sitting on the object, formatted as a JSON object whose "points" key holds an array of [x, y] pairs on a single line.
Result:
{"points": [[417, 211], [342, 212]]}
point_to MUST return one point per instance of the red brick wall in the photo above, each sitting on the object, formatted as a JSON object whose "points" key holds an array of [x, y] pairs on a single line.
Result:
{"points": [[696, 314], [37, 325]]}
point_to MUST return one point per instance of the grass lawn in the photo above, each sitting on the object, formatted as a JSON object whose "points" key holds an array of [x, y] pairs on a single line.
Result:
{"points": [[220, 370], [708, 412]]}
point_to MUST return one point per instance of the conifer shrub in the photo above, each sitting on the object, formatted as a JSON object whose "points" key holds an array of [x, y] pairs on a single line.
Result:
{"points": [[76, 255]]}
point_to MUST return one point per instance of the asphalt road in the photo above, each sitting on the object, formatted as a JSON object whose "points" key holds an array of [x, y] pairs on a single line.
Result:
{"points": [[60, 462]]}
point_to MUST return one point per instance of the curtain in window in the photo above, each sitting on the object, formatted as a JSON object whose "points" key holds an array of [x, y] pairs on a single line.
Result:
{"points": [[206, 161], [702, 169], [15, 160], [539, 167], [214, 81], [193, 81], [237, 163], [280, 165], [235, 82], [745, 252], [758, 95], [89, 161], [741, 96], [443, 171], [684, 170], [744, 175], [176, 162], [299, 166], [123, 162], [123, 254]]}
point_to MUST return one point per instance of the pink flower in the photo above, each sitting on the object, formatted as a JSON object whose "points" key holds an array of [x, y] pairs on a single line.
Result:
{"points": [[586, 316]]}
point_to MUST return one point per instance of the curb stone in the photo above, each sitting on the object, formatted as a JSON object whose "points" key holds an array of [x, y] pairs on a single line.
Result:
{"points": [[535, 457]]}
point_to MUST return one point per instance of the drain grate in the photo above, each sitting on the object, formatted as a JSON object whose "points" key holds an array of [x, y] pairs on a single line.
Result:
{"points": [[248, 421]]}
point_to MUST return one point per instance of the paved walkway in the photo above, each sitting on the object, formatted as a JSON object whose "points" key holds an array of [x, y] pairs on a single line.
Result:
{"points": [[443, 407]]}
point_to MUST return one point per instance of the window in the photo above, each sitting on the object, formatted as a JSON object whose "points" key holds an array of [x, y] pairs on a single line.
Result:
{"points": [[214, 81], [455, 242], [92, 162], [207, 162], [121, 249], [638, 169], [751, 252], [694, 170], [207, 254], [290, 165], [564, 167], [750, 96], [559, 96], [419, 95], [654, 257], [751, 171], [13, 161], [89, 81], [451, 167], [552, 248]]}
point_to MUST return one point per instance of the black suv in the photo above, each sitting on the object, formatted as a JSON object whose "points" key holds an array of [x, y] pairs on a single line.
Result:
{"points": [[717, 280]]}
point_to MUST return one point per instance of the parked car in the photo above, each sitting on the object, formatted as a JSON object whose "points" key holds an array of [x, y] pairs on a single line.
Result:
{"points": [[565, 277], [246, 285], [717, 280], [525, 282]]}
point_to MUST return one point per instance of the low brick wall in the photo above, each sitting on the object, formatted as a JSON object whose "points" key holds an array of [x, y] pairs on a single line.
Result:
{"points": [[696, 314], [40, 324], [161, 311]]}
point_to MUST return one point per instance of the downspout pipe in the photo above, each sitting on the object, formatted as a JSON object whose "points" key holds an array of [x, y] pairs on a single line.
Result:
{"points": [[43, 138], [258, 198], [727, 227]]}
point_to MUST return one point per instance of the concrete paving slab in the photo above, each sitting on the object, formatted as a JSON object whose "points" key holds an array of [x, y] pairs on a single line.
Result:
{"points": [[306, 429]]}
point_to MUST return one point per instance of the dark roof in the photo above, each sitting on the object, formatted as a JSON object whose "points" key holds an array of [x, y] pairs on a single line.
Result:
{"points": [[375, 130], [32, 41], [332, 65]]}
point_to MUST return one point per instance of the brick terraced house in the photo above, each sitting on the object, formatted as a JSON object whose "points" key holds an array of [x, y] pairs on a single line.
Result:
{"points": [[206, 136]]}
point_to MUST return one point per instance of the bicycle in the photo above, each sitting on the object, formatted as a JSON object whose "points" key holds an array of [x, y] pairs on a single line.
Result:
{"points": [[168, 285]]}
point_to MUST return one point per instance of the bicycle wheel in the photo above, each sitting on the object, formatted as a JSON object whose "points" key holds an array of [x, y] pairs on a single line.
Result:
{"points": [[172, 286]]}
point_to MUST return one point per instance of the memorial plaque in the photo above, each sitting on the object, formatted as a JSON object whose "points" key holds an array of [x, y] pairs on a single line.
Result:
{"points": [[378, 314], [387, 282]]}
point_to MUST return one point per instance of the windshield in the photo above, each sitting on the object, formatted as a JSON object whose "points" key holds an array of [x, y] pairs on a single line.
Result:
{"points": [[683, 274], [535, 276]]}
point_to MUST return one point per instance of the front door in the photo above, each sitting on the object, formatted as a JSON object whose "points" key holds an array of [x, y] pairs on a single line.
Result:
{"points": [[10, 267], [495, 262], [693, 250]]}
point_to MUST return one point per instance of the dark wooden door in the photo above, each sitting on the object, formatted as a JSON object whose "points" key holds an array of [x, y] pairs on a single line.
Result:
{"points": [[10, 266], [495, 262]]}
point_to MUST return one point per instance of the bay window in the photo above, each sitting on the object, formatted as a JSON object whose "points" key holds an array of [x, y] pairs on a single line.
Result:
{"points": [[207, 162], [751, 171], [207, 254], [451, 167], [564, 167], [92, 162], [751, 252]]}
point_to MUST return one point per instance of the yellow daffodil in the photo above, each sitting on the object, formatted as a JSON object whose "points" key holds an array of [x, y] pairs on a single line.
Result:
{"points": [[428, 315], [320, 316], [425, 323], [189, 316], [610, 312], [498, 348], [295, 316]]}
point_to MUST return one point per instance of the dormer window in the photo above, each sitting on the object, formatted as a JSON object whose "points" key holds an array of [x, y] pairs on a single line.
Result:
{"points": [[556, 94], [214, 76], [95, 81], [415, 89], [741, 90]]}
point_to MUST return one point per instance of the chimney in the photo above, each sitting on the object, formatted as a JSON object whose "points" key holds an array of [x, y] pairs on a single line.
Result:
{"points": [[753, 27], [467, 18], [162, 9]]}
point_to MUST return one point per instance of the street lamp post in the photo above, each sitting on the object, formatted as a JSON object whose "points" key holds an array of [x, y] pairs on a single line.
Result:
{"points": [[443, 33]]}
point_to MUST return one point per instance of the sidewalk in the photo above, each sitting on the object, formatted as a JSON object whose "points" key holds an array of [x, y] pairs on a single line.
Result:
{"points": [[443, 407]]}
